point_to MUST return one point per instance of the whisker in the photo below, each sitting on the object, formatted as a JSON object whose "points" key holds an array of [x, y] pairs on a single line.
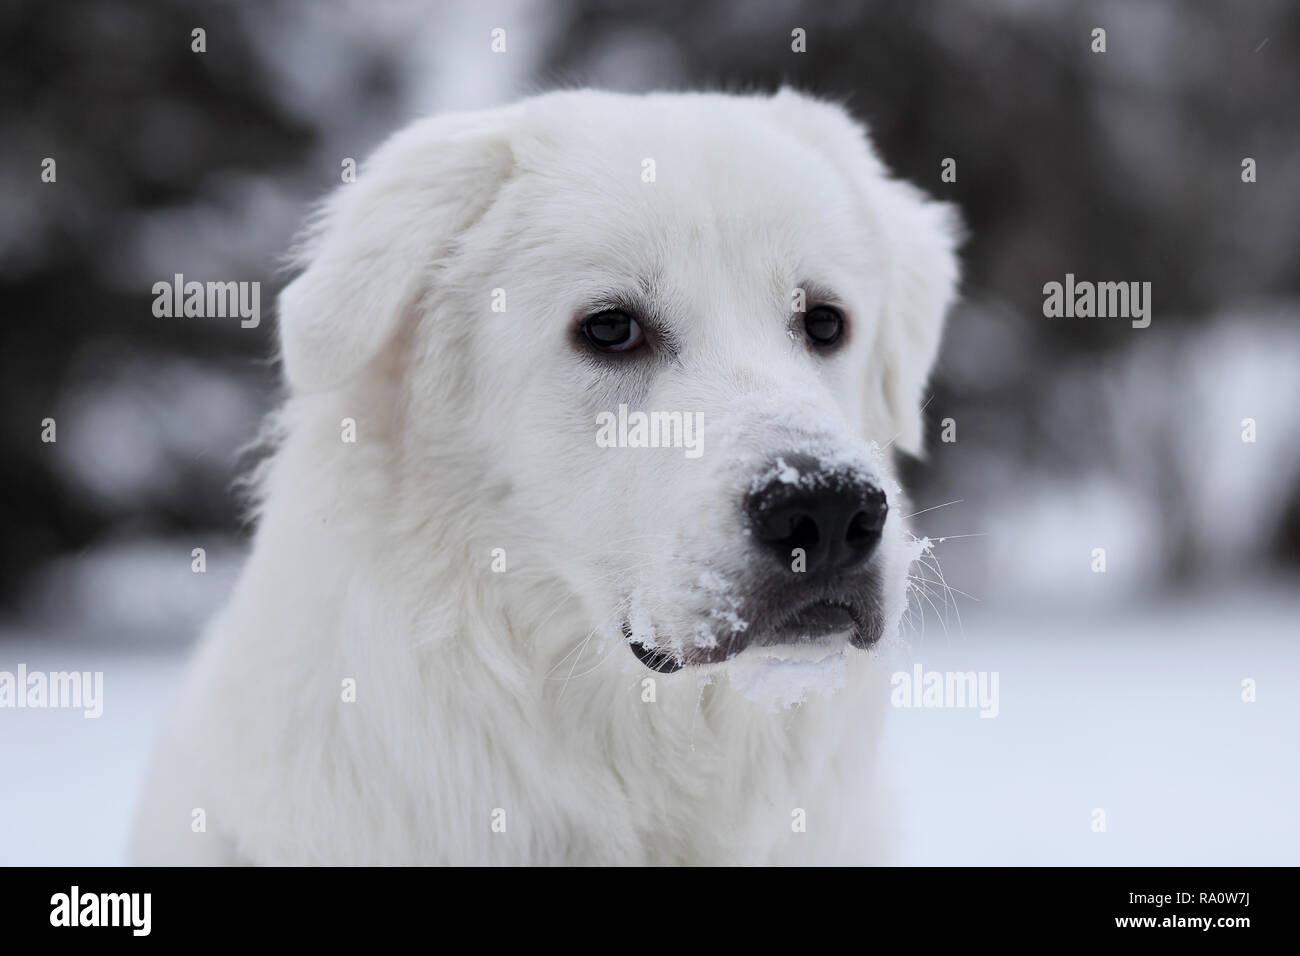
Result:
{"points": [[935, 508]]}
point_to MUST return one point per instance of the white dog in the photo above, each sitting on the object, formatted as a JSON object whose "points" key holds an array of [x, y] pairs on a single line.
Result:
{"points": [[472, 632]]}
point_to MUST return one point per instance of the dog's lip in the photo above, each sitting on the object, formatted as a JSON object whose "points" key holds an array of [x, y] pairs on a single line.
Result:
{"points": [[815, 621], [657, 659], [660, 661], [820, 621]]}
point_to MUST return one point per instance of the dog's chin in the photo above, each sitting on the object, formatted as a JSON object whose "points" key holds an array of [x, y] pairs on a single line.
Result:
{"points": [[809, 631]]}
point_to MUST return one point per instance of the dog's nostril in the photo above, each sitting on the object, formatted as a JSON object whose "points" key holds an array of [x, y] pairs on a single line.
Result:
{"points": [[792, 529], [866, 526], [861, 529]]}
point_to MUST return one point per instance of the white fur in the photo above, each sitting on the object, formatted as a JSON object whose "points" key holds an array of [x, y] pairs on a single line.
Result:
{"points": [[479, 691]]}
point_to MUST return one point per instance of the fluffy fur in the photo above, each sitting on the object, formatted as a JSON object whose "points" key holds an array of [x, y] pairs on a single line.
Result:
{"points": [[480, 691]]}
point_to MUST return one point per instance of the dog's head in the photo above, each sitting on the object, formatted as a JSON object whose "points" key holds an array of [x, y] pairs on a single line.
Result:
{"points": [[660, 346]]}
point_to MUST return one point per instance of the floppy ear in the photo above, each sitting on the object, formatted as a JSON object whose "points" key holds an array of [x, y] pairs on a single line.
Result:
{"points": [[918, 238], [921, 238], [372, 250]]}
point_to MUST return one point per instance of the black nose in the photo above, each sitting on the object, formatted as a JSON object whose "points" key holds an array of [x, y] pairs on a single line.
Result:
{"points": [[834, 516]]}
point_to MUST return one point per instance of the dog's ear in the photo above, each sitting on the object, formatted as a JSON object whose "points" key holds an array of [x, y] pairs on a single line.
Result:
{"points": [[918, 238], [921, 238], [372, 250]]}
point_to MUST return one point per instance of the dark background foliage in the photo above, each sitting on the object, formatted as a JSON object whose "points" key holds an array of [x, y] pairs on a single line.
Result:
{"points": [[1123, 165]]}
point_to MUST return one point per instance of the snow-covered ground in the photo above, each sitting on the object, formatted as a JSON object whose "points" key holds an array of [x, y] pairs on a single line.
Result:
{"points": [[1137, 712], [68, 782]]}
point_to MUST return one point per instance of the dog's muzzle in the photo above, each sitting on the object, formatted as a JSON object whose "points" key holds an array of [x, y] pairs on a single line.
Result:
{"points": [[816, 530]]}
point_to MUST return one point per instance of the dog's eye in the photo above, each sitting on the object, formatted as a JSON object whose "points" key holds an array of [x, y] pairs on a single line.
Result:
{"points": [[824, 325], [613, 331]]}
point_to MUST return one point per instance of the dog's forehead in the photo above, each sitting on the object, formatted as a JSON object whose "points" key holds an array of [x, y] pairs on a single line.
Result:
{"points": [[747, 173], [674, 187]]}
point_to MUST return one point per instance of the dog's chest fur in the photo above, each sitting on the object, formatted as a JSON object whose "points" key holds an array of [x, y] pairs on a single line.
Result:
{"points": [[455, 751]]}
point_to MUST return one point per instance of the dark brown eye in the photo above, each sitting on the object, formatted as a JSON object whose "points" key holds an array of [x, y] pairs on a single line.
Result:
{"points": [[824, 325], [612, 331]]}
